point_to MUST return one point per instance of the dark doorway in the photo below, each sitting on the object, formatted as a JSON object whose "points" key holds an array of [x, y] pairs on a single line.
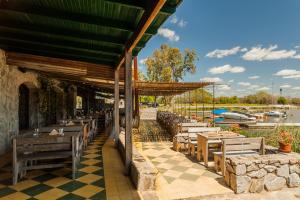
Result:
{"points": [[23, 107]]}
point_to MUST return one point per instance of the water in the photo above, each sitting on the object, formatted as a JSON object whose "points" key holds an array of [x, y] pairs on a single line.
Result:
{"points": [[293, 117]]}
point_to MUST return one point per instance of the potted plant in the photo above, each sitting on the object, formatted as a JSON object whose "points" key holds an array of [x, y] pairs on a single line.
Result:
{"points": [[285, 141]]}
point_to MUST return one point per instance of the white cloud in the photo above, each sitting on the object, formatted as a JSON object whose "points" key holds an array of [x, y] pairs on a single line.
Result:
{"points": [[262, 88], [297, 47], [169, 34], [179, 22], [288, 73], [231, 81], [296, 88], [254, 77], [259, 54], [244, 83], [226, 68], [224, 87], [244, 50], [143, 61], [220, 53], [174, 19], [285, 86], [182, 23], [211, 79]]}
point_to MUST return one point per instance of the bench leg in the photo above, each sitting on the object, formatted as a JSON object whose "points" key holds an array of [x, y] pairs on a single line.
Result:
{"points": [[189, 149], [193, 149], [15, 173]]}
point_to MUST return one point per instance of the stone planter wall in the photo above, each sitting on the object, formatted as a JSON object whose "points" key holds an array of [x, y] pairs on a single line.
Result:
{"points": [[262, 172], [143, 174]]}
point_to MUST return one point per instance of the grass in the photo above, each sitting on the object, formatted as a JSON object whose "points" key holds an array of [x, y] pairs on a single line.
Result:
{"points": [[271, 136]]}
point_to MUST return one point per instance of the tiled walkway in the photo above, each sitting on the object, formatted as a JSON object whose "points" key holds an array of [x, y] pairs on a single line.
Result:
{"points": [[182, 177], [58, 184], [118, 186]]}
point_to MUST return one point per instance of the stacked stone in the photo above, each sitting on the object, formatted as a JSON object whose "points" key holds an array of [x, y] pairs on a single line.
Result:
{"points": [[262, 172]]}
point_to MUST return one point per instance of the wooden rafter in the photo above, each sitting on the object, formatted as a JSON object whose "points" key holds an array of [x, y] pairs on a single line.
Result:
{"points": [[70, 16], [65, 67]]}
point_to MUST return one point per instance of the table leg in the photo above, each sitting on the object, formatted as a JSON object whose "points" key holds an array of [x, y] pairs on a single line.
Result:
{"points": [[205, 153]]}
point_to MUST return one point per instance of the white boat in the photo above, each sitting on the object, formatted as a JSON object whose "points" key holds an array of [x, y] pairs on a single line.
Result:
{"points": [[238, 116], [276, 114]]}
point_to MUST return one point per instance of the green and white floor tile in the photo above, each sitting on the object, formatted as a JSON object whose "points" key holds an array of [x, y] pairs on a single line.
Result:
{"points": [[58, 183]]}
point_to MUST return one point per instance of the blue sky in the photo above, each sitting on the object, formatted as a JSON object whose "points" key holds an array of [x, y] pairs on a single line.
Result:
{"points": [[236, 40]]}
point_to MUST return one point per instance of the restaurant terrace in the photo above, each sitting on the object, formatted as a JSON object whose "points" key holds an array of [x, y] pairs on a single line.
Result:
{"points": [[71, 126]]}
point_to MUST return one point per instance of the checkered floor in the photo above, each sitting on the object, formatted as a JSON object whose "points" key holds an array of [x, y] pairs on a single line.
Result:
{"points": [[175, 165], [182, 176], [58, 183]]}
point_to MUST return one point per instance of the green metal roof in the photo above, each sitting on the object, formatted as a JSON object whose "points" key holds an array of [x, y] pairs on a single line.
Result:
{"points": [[85, 30]]}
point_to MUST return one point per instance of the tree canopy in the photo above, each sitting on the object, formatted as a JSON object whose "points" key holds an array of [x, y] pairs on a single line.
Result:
{"points": [[169, 64]]}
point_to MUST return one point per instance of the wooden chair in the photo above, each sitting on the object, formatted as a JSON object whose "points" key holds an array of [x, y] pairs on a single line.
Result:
{"points": [[237, 147], [27, 149]]}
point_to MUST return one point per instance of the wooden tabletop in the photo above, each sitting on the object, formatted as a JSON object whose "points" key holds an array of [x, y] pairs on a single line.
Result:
{"points": [[220, 135], [46, 135]]}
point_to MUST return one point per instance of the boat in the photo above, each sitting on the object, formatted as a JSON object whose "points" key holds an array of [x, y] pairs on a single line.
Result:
{"points": [[276, 114], [238, 116]]}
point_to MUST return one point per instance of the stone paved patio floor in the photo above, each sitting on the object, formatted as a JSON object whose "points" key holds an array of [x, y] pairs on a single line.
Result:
{"points": [[285, 194], [182, 177]]}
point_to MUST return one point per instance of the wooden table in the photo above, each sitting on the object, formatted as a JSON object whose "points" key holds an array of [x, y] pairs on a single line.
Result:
{"points": [[27, 147], [205, 139]]}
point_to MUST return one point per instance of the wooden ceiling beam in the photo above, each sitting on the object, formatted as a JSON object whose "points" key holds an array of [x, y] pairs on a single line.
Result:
{"points": [[25, 8], [61, 55], [58, 42], [166, 10], [59, 32], [49, 64]]}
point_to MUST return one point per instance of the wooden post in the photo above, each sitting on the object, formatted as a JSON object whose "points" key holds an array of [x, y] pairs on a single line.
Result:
{"points": [[203, 104], [136, 94], [213, 105], [128, 111], [189, 104], [116, 107]]}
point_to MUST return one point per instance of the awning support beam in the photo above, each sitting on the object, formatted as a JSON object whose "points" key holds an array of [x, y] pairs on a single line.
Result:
{"points": [[128, 111], [116, 107]]}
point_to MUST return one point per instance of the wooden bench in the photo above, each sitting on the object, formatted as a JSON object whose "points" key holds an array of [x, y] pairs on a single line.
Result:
{"points": [[181, 140], [183, 127], [192, 142], [27, 149], [236, 147]]}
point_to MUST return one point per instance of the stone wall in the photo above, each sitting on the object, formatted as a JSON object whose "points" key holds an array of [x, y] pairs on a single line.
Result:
{"points": [[257, 173], [143, 174], [40, 88], [10, 80]]}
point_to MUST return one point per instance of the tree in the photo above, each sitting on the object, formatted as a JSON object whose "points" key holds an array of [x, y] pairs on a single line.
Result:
{"points": [[282, 100], [141, 76], [258, 98], [168, 64]]}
